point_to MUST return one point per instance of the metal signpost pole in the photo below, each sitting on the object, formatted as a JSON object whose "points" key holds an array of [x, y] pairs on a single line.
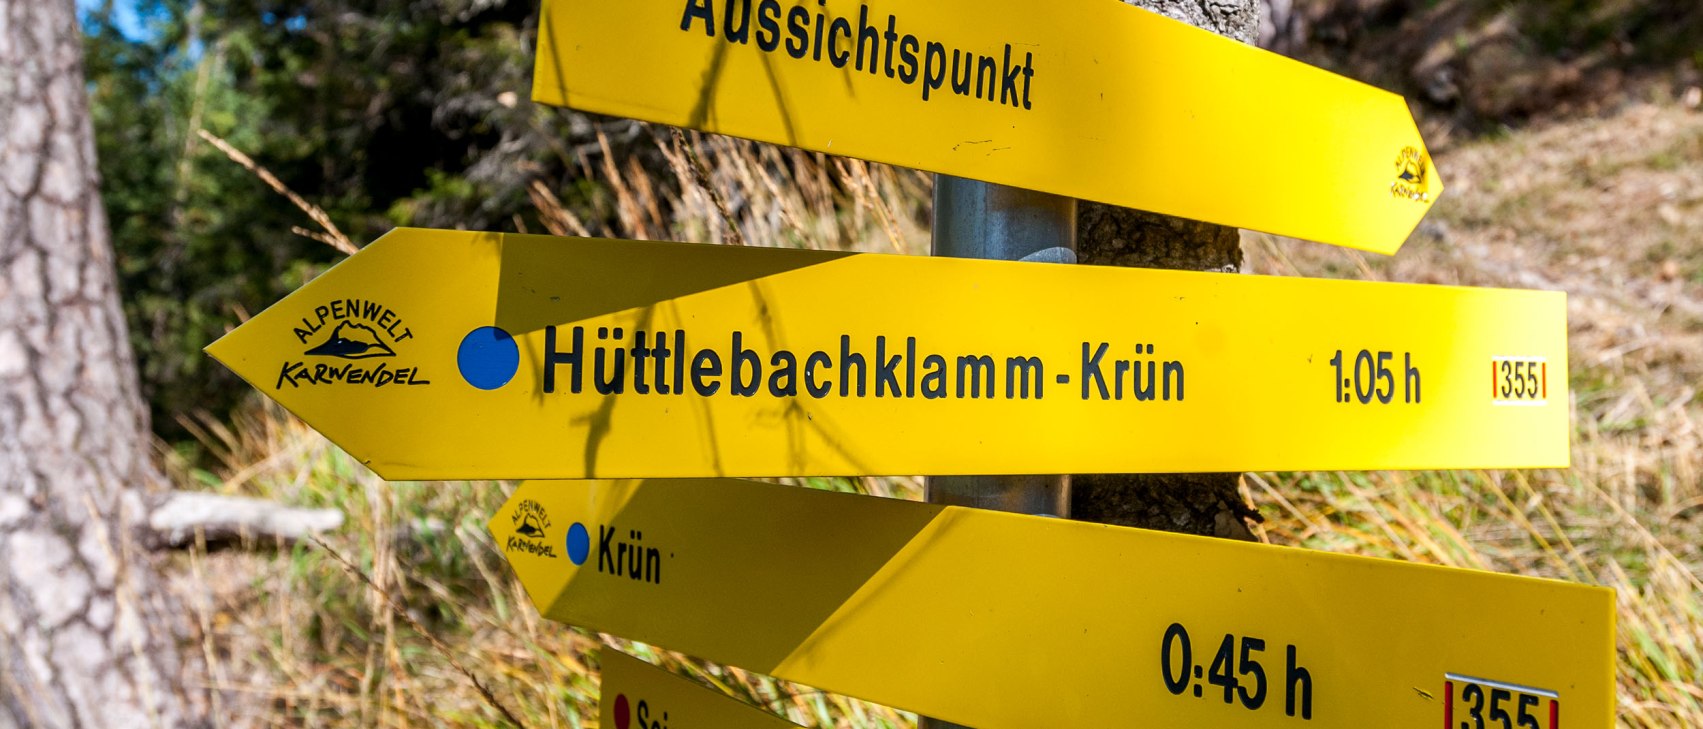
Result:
{"points": [[982, 220]]}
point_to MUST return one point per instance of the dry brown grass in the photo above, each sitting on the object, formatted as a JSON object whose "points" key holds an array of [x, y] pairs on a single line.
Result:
{"points": [[1608, 210], [726, 190]]}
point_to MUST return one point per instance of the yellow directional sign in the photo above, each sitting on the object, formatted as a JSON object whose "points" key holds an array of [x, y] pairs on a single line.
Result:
{"points": [[635, 692], [1000, 620], [1084, 98], [442, 355]]}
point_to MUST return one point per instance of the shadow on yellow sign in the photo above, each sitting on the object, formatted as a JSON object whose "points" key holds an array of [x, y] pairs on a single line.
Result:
{"points": [[1084, 98], [441, 355]]}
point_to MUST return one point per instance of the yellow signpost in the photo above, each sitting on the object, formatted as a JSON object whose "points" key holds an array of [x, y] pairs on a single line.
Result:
{"points": [[1082, 98], [993, 620], [442, 355], [635, 692]]}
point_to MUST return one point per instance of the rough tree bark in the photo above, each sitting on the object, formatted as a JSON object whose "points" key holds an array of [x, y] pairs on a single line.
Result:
{"points": [[1211, 503], [88, 634]]}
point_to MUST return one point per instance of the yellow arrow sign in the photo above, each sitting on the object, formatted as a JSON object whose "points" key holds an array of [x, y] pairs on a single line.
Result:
{"points": [[1084, 98], [1001, 620], [637, 692], [442, 355]]}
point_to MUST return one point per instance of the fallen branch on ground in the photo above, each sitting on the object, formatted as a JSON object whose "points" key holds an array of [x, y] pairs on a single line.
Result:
{"points": [[223, 520]]}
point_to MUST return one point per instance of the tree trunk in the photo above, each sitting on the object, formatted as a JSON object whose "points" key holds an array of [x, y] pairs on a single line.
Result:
{"points": [[1200, 503], [89, 636]]}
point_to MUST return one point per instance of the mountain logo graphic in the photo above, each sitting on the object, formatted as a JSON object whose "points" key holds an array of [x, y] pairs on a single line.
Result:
{"points": [[530, 520], [1412, 168], [353, 341], [1413, 172], [529, 527]]}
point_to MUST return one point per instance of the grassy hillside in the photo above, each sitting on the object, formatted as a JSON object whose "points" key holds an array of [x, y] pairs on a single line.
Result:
{"points": [[391, 620]]}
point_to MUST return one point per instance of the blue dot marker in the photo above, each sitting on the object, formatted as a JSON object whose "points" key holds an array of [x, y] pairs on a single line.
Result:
{"points": [[488, 358], [579, 543]]}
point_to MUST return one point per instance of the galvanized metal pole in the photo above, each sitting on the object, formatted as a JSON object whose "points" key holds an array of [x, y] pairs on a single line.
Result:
{"points": [[982, 220]]}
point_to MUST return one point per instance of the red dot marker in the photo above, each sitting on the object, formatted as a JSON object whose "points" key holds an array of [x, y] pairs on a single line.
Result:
{"points": [[622, 716]]}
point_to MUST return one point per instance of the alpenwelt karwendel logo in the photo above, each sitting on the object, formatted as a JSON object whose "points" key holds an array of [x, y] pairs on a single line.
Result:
{"points": [[351, 342], [532, 531]]}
